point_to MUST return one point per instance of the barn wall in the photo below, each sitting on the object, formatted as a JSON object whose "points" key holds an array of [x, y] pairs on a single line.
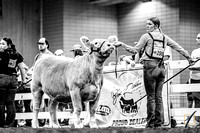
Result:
{"points": [[20, 20], [82, 18], [53, 23]]}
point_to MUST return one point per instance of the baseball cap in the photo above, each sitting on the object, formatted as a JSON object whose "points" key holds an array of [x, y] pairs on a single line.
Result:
{"points": [[59, 52], [76, 47], [42, 40]]}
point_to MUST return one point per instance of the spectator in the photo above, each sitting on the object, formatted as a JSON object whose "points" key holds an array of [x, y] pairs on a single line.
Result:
{"points": [[43, 46], [77, 50], [10, 59], [195, 78], [59, 52]]}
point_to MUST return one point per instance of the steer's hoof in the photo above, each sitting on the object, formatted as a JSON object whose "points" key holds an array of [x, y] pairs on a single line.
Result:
{"points": [[93, 125], [78, 125], [56, 126], [34, 124]]}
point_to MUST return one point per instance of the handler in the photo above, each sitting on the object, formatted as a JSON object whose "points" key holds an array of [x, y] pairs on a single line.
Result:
{"points": [[10, 59], [154, 43]]}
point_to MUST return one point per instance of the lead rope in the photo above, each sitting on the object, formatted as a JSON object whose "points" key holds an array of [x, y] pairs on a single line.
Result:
{"points": [[19, 88], [116, 60], [171, 78]]}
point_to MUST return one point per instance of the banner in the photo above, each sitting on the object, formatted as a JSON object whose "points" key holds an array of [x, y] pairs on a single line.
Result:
{"points": [[118, 96], [117, 107]]}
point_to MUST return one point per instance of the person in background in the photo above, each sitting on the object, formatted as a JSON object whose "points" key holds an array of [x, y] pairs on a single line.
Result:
{"points": [[194, 79], [43, 47], [154, 42], [10, 59], [59, 52], [126, 60], [77, 50]]}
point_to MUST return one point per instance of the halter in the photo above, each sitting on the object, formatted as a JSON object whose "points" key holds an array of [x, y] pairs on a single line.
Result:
{"points": [[95, 49]]}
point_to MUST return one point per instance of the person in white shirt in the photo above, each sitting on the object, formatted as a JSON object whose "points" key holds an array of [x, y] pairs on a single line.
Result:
{"points": [[195, 78]]}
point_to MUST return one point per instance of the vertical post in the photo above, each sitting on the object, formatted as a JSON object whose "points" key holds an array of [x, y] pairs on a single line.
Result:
{"points": [[168, 91], [41, 18], [1, 8]]}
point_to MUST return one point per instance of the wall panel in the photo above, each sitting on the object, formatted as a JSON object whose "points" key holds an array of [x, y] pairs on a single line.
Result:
{"points": [[82, 18], [53, 23], [20, 21]]}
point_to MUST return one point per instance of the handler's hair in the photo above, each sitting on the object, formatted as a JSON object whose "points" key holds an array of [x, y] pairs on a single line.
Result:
{"points": [[156, 21], [10, 44]]}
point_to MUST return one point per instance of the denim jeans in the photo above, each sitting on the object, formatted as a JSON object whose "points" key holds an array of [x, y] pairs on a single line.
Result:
{"points": [[154, 76], [8, 88], [196, 98]]}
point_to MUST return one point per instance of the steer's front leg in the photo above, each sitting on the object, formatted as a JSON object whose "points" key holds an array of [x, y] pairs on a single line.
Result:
{"points": [[92, 110], [77, 104]]}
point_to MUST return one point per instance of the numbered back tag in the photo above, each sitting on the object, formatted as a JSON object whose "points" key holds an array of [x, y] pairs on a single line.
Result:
{"points": [[158, 52], [12, 63]]}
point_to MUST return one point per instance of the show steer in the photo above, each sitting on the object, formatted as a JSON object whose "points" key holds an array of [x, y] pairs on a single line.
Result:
{"points": [[66, 80]]}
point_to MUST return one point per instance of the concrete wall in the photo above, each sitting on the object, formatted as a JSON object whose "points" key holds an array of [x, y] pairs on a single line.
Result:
{"points": [[20, 20], [65, 21], [53, 23], [82, 18]]}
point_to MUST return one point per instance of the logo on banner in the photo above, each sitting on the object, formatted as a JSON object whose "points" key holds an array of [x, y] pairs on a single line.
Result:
{"points": [[103, 110], [126, 95]]}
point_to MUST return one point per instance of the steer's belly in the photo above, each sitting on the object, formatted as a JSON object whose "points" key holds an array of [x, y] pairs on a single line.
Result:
{"points": [[90, 93], [62, 98]]}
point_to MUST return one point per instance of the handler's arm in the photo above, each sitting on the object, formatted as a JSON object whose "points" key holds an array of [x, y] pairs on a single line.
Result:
{"points": [[22, 71], [174, 45], [136, 49]]}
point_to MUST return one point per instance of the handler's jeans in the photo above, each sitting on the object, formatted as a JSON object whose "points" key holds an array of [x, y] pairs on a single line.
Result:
{"points": [[154, 76], [8, 88]]}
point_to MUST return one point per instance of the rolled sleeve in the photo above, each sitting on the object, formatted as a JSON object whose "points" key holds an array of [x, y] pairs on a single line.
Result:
{"points": [[174, 45]]}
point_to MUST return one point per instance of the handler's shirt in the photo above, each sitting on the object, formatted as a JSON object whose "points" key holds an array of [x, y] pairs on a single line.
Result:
{"points": [[9, 62], [195, 74], [147, 40]]}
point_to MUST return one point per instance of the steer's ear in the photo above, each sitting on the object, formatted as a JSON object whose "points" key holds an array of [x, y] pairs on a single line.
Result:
{"points": [[113, 39], [85, 41]]}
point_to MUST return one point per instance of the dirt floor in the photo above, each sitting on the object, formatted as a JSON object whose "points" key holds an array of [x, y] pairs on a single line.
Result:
{"points": [[102, 130]]}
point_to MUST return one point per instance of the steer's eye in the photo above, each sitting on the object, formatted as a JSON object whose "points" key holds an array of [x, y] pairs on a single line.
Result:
{"points": [[108, 45], [96, 43]]}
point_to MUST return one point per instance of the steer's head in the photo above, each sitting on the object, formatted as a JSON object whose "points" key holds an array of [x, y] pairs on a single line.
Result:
{"points": [[100, 47]]}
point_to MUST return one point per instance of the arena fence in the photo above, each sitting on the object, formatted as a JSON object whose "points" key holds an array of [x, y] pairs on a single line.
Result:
{"points": [[180, 114], [42, 115]]}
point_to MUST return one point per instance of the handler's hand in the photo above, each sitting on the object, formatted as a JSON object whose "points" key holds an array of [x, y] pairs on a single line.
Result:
{"points": [[192, 61], [118, 44]]}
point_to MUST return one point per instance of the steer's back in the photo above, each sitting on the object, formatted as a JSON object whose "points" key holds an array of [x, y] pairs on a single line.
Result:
{"points": [[50, 74]]}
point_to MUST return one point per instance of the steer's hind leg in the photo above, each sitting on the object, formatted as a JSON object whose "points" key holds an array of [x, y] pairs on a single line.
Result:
{"points": [[76, 101], [53, 105], [37, 101]]}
